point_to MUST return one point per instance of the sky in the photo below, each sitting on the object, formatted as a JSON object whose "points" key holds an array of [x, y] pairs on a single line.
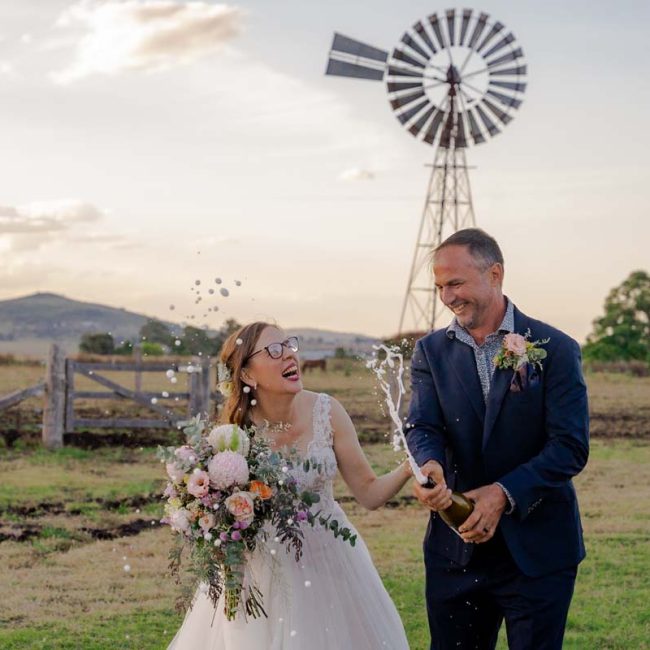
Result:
{"points": [[150, 144]]}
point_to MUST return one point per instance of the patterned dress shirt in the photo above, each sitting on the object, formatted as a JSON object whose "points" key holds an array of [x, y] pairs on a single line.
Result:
{"points": [[484, 356]]}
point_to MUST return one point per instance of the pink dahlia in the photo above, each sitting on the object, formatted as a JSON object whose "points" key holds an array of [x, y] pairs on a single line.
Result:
{"points": [[198, 484], [226, 469]]}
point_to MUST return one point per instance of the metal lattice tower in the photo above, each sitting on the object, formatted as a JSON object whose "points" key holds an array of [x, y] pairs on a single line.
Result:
{"points": [[453, 79]]}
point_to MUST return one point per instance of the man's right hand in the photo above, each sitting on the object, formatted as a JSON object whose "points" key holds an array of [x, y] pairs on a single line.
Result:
{"points": [[439, 496]]}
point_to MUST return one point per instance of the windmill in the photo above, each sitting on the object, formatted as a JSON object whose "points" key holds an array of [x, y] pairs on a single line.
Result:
{"points": [[453, 79]]}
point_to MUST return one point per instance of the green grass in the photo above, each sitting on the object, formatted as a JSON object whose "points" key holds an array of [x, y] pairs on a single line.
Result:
{"points": [[63, 590], [152, 629]]}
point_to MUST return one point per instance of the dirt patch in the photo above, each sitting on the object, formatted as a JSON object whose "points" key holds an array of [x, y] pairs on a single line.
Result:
{"points": [[59, 508]]}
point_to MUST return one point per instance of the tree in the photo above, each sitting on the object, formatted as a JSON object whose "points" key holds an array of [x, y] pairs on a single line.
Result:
{"points": [[156, 331], [623, 333], [195, 340], [228, 328], [102, 343]]}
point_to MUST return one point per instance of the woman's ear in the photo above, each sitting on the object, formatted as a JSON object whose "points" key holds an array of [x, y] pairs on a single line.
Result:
{"points": [[248, 380]]}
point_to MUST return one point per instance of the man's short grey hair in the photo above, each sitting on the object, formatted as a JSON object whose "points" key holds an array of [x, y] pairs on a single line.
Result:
{"points": [[482, 247]]}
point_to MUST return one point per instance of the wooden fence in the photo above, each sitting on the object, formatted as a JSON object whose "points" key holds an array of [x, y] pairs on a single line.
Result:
{"points": [[60, 394]]}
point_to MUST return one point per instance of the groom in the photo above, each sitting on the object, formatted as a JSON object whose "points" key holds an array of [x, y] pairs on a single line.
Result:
{"points": [[510, 441]]}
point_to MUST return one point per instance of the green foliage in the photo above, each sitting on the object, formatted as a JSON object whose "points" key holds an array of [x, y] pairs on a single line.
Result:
{"points": [[125, 348], [623, 332], [102, 343], [195, 340], [152, 349]]}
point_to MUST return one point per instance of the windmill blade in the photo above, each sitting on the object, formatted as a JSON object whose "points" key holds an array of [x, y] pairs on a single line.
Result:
{"points": [[422, 33], [418, 125], [396, 71], [489, 124], [410, 42], [351, 46], [467, 14], [432, 131], [506, 40], [519, 70], [402, 56], [397, 86], [451, 25], [411, 112], [398, 102], [474, 128], [502, 115], [510, 85], [496, 28], [478, 30], [511, 56], [506, 100], [435, 24], [346, 69], [461, 138]]}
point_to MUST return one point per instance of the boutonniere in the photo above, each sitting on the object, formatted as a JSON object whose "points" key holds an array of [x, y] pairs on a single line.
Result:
{"points": [[520, 353]]}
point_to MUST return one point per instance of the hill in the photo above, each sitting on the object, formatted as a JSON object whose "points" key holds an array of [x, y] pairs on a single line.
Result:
{"points": [[28, 325]]}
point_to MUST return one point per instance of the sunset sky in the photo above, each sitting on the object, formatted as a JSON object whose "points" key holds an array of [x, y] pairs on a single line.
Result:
{"points": [[149, 144]]}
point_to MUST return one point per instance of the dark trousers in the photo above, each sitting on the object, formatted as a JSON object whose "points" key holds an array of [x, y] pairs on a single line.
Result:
{"points": [[466, 606]]}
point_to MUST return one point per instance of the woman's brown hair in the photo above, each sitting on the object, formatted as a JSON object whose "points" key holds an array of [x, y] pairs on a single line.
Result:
{"points": [[234, 355]]}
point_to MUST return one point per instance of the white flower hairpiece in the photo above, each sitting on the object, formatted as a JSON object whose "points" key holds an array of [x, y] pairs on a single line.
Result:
{"points": [[224, 379]]}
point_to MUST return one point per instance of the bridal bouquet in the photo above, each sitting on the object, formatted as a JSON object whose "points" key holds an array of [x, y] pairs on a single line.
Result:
{"points": [[223, 488]]}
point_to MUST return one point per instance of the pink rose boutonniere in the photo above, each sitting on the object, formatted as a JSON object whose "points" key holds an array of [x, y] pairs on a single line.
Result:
{"points": [[518, 350]]}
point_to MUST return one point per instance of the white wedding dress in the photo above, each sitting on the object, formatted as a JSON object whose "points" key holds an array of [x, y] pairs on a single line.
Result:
{"points": [[332, 600]]}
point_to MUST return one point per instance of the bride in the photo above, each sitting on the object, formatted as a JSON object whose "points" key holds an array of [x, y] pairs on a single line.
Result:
{"points": [[334, 597]]}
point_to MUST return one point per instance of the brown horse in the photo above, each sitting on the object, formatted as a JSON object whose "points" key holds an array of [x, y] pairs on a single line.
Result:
{"points": [[313, 364]]}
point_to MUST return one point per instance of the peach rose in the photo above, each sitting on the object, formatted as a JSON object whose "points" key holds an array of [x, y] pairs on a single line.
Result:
{"points": [[241, 506], [207, 521], [515, 343]]}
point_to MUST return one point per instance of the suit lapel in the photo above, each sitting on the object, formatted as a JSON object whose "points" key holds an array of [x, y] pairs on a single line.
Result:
{"points": [[499, 389], [463, 363], [500, 385]]}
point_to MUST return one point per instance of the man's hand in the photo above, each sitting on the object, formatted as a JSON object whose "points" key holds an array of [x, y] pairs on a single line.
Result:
{"points": [[489, 504], [438, 497]]}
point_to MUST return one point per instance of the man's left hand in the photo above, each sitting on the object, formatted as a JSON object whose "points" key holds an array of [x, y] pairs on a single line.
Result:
{"points": [[489, 504]]}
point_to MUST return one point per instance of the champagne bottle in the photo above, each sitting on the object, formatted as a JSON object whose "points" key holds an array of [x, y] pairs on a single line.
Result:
{"points": [[459, 510]]}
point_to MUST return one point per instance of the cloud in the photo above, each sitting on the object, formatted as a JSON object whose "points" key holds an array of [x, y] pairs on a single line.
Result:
{"points": [[356, 174], [46, 216], [145, 36]]}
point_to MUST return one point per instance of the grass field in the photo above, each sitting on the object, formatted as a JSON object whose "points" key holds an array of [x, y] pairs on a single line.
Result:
{"points": [[71, 520]]}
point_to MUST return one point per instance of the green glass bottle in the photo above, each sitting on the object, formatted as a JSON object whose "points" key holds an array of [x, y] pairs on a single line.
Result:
{"points": [[459, 510]]}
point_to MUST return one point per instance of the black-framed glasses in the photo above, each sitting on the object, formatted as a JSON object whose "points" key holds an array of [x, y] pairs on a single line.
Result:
{"points": [[274, 350]]}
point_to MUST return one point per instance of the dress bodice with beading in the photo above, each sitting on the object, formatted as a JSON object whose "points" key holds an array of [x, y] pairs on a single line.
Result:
{"points": [[322, 470]]}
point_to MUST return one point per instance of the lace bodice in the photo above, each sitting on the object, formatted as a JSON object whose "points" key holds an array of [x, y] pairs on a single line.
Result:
{"points": [[320, 452]]}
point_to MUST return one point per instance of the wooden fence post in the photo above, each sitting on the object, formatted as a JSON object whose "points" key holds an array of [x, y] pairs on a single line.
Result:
{"points": [[137, 357], [205, 385], [200, 387], [54, 412]]}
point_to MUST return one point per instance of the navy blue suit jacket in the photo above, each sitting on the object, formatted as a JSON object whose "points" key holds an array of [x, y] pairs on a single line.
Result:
{"points": [[532, 441]]}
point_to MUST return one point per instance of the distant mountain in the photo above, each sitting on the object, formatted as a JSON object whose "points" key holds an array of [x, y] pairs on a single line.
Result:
{"points": [[28, 326], [316, 343]]}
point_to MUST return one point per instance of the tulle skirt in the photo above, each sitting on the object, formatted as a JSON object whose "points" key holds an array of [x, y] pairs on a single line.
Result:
{"points": [[332, 599]]}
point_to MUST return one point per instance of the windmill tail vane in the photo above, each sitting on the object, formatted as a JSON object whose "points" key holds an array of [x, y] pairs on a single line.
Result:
{"points": [[454, 79]]}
